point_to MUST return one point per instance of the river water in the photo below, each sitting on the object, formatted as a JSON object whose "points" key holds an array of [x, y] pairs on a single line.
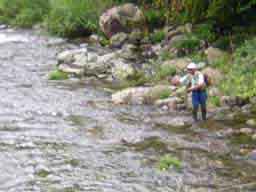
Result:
{"points": [[66, 136]]}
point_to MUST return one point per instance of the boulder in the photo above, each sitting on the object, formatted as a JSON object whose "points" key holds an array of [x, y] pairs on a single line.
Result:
{"points": [[251, 122], [122, 70], [68, 56], [89, 62], [180, 64], [172, 31], [214, 54], [139, 95], [94, 39], [71, 69], [171, 103], [128, 52], [118, 40], [246, 131], [135, 37], [122, 18]]}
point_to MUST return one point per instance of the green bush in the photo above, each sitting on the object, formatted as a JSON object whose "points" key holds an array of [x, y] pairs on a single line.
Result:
{"points": [[215, 100], [165, 94], [157, 36], [168, 161], [23, 13], [241, 75], [164, 71], [222, 43], [205, 32], [155, 18], [75, 18], [189, 44], [166, 55]]}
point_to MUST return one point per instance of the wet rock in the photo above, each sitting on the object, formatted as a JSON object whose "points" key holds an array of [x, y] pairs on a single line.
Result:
{"points": [[252, 155], [135, 37], [95, 39], [128, 52], [175, 121], [148, 51], [72, 69], [95, 64], [254, 137], [251, 122], [246, 131], [122, 18], [118, 40], [246, 109], [157, 49], [122, 70], [100, 64], [68, 56], [138, 95], [214, 54], [2, 27], [172, 103]]}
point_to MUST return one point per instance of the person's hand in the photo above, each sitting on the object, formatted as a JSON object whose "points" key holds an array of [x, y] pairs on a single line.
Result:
{"points": [[175, 81], [190, 89]]}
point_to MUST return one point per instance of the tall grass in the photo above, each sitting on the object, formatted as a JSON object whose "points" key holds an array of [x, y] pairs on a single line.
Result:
{"points": [[61, 17], [23, 13], [75, 17]]}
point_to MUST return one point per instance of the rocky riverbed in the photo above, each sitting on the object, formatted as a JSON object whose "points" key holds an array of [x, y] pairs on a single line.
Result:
{"points": [[69, 136]]}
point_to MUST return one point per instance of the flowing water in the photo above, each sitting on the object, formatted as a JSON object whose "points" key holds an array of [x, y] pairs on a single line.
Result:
{"points": [[67, 136]]}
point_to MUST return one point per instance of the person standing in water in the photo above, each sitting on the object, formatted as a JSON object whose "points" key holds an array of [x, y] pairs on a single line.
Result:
{"points": [[195, 81]]}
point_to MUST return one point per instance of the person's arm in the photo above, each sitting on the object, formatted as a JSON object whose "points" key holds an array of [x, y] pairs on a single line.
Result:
{"points": [[200, 84], [184, 80]]}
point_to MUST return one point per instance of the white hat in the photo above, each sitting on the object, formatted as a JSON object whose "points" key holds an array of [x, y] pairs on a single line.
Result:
{"points": [[192, 66]]}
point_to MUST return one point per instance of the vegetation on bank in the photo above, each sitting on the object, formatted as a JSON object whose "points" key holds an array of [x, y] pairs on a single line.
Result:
{"points": [[226, 24]]}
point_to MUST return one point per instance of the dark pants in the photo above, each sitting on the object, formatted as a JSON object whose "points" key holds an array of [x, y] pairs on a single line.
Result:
{"points": [[199, 98]]}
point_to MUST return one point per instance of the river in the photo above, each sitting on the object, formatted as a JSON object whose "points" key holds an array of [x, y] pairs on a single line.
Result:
{"points": [[67, 136]]}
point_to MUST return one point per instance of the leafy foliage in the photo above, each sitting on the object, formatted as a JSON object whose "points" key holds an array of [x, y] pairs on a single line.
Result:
{"points": [[188, 45], [157, 36], [241, 79], [155, 18], [165, 94], [58, 75], [23, 13], [168, 161], [67, 18]]}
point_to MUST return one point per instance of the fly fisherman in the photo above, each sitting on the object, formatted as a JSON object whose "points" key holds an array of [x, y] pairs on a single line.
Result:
{"points": [[195, 81]]}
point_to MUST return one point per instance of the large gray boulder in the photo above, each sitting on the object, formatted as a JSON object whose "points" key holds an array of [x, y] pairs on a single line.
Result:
{"points": [[122, 18]]}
